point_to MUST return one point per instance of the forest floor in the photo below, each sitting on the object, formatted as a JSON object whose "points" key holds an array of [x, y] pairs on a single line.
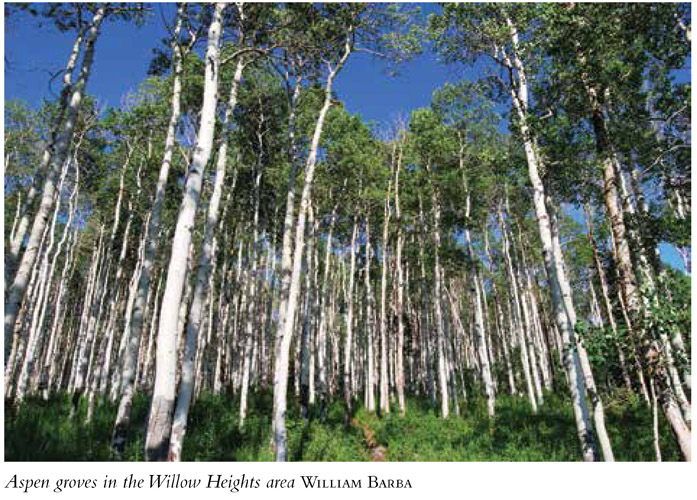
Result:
{"points": [[43, 430]]}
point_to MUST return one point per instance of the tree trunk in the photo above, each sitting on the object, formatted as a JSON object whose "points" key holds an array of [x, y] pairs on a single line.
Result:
{"points": [[596, 401], [19, 285], [186, 384], [632, 296], [285, 332], [323, 321], [606, 298], [137, 318], [45, 278], [19, 233], [348, 341], [437, 310], [479, 328], [369, 326], [516, 316], [384, 396], [400, 286], [160, 418], [519, 93]]}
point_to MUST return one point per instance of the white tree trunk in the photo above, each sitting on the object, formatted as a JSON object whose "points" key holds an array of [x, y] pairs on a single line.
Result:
{"points": [[160, 418], [21, 279], [186, 384], [596, 401], [519, 93], [437, 309], [136, 319], [285, 332], [516, 316], [348, 340], [384, 396], [18, 233], [44, 282]]}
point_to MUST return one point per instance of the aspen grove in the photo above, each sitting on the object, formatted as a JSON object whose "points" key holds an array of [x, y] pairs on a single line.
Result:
{"points": [[231, 256]]}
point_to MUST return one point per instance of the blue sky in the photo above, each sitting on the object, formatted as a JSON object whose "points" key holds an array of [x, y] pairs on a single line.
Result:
{"points": [[124, 51]]}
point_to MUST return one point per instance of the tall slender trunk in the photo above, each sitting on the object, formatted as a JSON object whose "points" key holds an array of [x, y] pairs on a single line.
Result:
{"points": [[424, 331], [201, 291], [384, 389], [50, 363], [251, 286], [289, 218], [652, 350], [400, 286], [18, 288], [45, 278], [437, 310], [348, 340], [606, 298], [589, 379], [368, 325], [516, 314], [527, 330], [479, 327], [519, 94], [19, 233], [160, 417], [499, 318], [323, 321], [306, 340], [88, 323], [285, 332], [137, 318], [103, 358]]}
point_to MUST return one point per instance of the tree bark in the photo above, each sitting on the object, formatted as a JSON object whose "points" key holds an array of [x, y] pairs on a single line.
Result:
{"points": [[186, 384], [348, 341], [160, 418], [137, 318], [18, 288], [519, 94], [285, 332]]}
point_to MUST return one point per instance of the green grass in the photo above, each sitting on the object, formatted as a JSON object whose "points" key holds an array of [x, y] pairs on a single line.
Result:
{"points": [[42, 430]]}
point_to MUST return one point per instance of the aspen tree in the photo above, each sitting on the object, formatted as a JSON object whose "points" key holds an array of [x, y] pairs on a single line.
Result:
{"points": [[160, 417], [18, 287], [286, 327], [136, 319], [202, 276]]}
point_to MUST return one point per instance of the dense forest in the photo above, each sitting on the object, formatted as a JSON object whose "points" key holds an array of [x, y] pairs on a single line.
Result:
{"points": [[229, 265]]}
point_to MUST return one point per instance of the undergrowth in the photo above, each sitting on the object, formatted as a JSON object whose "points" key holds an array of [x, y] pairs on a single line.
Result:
{"points": [[43, 430]]}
